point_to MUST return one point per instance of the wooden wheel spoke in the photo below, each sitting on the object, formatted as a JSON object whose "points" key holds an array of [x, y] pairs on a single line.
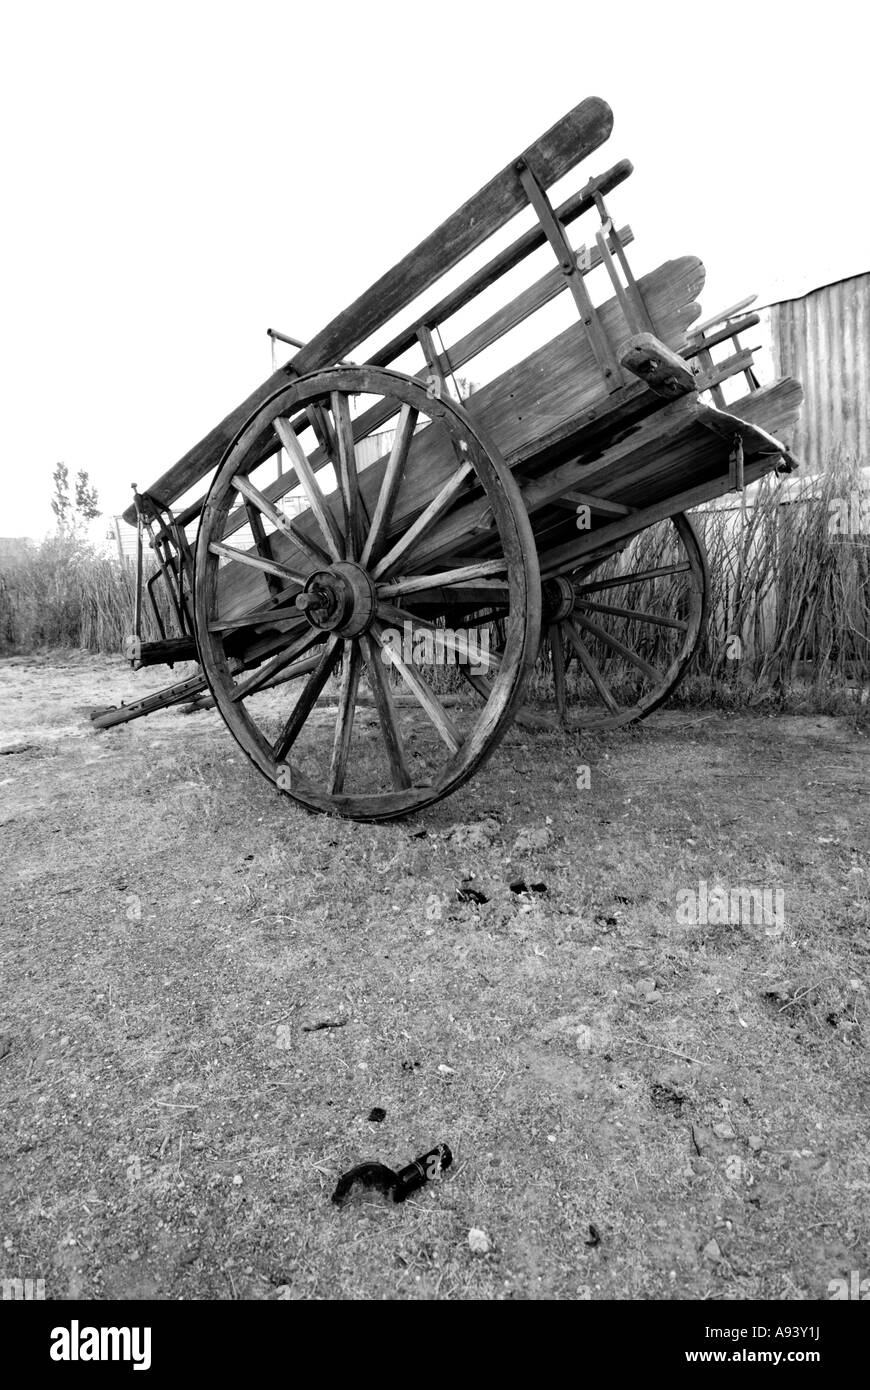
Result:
{"points": [[316, 500], [253, 496], [411, 583], [256, 562], [261, 541], [386, 714], [274, 616], [425, 521], [590, 667], [558, 656], [347, 476], [270, 609], [619, 580], [307, 696], [442, 637], [636, 614], [624, 651], [390, 483], [419, 689], [319, 421], [264, 673], [430, 562], [350, 675]]}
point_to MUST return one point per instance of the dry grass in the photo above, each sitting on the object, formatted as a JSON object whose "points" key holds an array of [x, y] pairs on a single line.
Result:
{"points": [[63, 594], [791, 589]]}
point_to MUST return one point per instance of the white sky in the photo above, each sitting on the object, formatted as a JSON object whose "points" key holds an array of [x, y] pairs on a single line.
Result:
{"points": [[178, 177]]}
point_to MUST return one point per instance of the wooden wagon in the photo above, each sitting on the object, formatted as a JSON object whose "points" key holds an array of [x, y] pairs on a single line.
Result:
{"points": [[380, 576]]}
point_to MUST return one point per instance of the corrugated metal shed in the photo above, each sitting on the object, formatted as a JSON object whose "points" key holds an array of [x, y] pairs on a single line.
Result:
{"points": [[823, 339]]}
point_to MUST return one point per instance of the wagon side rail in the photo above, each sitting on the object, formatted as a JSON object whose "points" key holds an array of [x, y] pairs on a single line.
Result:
{"points": [[570, 140]]}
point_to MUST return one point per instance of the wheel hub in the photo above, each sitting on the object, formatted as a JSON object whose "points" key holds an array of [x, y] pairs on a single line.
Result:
{"points": [[557, 600], [340, 599]]}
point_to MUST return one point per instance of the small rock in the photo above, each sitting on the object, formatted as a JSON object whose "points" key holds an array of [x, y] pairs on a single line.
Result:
{"points": [[532, 838], [724, 1130], [755, 1142], [479, 836], [711, 1251], [478, 1241]]}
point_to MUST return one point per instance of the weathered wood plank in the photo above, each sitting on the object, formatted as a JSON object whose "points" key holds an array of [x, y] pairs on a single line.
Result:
{"points": [[554, 387], [563, 146], [581, 201], [657, 366]]}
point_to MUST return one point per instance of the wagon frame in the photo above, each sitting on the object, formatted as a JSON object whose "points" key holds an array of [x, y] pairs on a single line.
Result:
{"points": [[518, 512]]}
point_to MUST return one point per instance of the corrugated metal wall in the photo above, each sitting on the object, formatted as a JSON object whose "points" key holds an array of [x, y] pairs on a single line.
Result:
{"points": [[823, 339]]}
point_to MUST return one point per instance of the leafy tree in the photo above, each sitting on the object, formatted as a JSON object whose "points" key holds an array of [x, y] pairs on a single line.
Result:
{"points": [[73, 513], [86, 497], [60, 503]]}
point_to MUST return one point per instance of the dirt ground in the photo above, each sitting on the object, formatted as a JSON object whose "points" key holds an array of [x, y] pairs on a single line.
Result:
{"points": [[640, 1103]]}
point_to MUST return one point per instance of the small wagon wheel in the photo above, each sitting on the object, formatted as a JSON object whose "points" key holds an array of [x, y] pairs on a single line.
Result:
{"points": [[325, 599], [620, 633]]}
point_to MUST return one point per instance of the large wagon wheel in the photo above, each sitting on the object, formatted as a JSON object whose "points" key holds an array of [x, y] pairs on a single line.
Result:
{"points": [[619, 634], [359, 563]]}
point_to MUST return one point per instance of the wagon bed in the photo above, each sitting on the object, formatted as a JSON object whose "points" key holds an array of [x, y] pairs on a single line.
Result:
{"points": [[544, 513]]}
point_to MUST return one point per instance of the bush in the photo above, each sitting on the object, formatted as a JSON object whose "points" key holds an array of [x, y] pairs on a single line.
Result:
{"points": [[63, 594]]}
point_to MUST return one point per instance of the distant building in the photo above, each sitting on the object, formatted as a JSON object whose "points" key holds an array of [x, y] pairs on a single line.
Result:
{"points": [[820, 334]]}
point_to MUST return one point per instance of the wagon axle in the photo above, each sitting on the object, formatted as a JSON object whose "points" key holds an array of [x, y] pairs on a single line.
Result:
{"points": [[341, 599]]}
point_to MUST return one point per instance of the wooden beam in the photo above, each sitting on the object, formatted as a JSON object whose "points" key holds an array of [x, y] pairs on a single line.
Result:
{"points": [[506, 260], [693, 349], [657, 366], [569, 141], [596, 504]]}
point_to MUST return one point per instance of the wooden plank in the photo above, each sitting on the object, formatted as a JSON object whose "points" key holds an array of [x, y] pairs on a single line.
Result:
{"points": [[519, 309], [725, 316], [721, 371], [570, 556], [595, 504], [562, 147], [477, 339], [456, 355], [557, 386], [553, 390], [573, 207], [692, 349], [601, 345], [698, 467], [657, 366]]}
